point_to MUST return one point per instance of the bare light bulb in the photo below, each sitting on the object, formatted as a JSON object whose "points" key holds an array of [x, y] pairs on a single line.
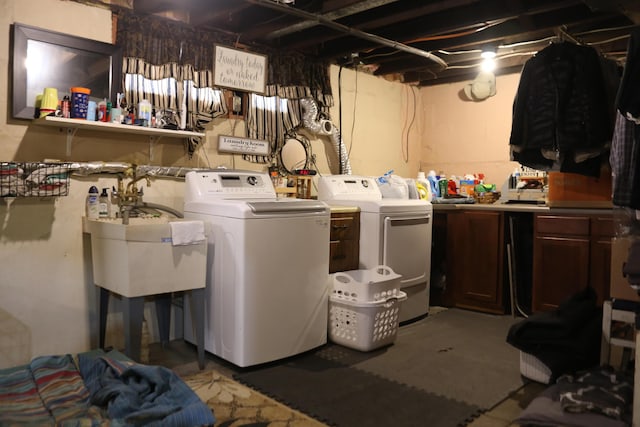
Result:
{"points": [[488, 64]]}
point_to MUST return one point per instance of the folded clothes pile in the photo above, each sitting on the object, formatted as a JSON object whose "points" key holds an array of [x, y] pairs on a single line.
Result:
{"points": [[11, 181], [33, 179]]}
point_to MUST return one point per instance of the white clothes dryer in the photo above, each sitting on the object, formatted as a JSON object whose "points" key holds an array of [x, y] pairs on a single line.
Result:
{"points": [[267, 269], [393, 232]]}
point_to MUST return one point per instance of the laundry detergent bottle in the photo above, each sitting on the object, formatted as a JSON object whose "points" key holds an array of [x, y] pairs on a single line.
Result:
{"points": [[424, 187]]}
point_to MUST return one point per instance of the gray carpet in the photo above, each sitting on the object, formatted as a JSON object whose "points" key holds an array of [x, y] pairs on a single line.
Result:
{"points": [[460, 354], [444, 369]]}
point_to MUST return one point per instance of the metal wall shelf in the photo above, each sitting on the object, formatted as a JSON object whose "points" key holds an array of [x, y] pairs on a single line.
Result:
{"points": [[72, 125]]}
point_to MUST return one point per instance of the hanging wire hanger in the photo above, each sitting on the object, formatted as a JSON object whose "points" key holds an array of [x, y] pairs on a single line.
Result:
{"points": [[563, 36]]}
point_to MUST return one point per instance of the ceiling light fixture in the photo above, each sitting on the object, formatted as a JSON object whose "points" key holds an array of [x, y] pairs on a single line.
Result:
{"points": [[488, 55]]}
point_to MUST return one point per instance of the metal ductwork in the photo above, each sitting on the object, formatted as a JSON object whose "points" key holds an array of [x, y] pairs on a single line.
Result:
{"points": [[312, 121]]}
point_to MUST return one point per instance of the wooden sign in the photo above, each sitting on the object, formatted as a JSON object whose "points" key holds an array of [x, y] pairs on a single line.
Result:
{"points": [[234, 144], [239, 70]]}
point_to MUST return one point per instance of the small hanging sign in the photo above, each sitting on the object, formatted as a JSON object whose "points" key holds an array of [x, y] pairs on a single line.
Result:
{"points": [[239, 70], [234, 144]]}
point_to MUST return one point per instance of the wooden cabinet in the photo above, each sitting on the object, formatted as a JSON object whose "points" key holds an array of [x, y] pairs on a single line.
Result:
{"points": [[344, 252], [475, 260], [570, 252], [602, 233]]}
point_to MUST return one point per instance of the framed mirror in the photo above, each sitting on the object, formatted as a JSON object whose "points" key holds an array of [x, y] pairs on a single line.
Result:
{"points": [[294, 154], [43, 58]]}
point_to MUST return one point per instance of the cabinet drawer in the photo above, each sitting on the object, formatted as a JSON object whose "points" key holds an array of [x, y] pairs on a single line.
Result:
{"points": [[345, 226], [602, 226], [573, 225], [344, 255]]}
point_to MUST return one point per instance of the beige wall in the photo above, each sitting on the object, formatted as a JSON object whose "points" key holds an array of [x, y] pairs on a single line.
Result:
{"points": [[464, 137], [46, 280]]}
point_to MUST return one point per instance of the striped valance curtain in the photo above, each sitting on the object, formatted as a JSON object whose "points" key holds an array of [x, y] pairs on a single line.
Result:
{"points": [[170, 63], [274, 118]]}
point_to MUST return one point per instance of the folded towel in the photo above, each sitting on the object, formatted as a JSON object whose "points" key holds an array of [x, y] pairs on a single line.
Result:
{"points": [[187, 232]]}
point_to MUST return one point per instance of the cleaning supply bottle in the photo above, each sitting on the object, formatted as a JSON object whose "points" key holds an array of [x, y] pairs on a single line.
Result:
{"points": [[91, 205], [433, 181], [443, 184], [424, 187], [104, 210]]}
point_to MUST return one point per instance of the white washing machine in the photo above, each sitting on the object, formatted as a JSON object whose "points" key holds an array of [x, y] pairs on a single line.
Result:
{"points": [[393, 232], [267, 269]]}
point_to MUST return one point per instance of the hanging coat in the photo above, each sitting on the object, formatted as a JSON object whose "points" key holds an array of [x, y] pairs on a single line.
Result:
{"points": [[563, 111]]}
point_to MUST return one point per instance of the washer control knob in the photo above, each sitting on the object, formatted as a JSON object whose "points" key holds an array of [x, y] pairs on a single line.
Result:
{"points": [[252, 180]]}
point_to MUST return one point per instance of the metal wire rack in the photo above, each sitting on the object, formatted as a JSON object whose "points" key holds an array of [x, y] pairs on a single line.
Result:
{"points": [[34, 179]]}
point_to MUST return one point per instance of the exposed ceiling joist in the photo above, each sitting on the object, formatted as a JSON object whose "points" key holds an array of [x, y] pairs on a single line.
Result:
{"points": [[422, 41]]}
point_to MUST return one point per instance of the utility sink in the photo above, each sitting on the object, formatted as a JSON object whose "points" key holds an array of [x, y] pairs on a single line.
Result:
{"points": [[139, 258]]}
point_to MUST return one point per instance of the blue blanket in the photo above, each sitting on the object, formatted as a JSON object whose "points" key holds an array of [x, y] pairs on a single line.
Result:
{"points": [[104, 389], [137, 394]]}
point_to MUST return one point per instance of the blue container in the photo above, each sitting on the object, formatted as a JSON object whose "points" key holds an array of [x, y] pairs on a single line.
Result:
{"points": [[79, 102]]}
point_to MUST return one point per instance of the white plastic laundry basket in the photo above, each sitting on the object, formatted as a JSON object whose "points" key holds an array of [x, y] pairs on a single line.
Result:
{"points": [[531, 367], [375, 284], [364, 326]]}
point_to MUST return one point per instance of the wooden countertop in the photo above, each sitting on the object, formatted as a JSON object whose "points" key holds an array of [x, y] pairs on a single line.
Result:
{"points": [[520, 207], [344, 209]]}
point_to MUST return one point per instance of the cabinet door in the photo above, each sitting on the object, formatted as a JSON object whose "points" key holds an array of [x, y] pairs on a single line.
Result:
{"points": [[561, 263], [440, 289], [344, 252], [601, 235], [478, 260]]}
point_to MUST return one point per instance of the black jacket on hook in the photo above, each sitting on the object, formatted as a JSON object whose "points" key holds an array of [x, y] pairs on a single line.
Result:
{"points": [[563, 111]]}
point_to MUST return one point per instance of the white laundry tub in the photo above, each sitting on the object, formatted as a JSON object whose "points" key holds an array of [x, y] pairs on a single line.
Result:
{"points": [[139, 258]]}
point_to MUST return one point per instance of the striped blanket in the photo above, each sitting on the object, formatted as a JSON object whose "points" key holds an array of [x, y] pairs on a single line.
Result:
{"points": [[97, 391]]}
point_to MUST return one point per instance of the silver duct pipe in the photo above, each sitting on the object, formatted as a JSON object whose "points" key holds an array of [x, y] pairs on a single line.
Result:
{"points": [[164, 171], [91, 168], [311, 121]]}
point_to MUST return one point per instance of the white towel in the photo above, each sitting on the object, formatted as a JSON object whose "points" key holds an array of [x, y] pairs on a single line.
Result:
{"points": [[187, 232]]}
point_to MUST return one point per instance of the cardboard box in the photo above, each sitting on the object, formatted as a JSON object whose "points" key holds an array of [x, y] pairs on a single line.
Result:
{"points": [[620, 287], [580, 191]]}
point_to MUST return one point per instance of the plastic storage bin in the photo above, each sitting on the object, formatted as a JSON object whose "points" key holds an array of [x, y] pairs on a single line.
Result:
{"points": [[364, 326], [376, 284]]}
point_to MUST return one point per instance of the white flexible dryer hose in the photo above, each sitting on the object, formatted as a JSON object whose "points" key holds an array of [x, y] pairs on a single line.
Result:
{"points": [[312, 122]]}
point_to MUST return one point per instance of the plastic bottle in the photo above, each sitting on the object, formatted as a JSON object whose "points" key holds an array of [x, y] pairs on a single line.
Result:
{"points": [[102, 110], [443, 184], [515, 178], [433, 181], [91, 204], [65, 106], [144, 113], [104, 210], [424, 187]]}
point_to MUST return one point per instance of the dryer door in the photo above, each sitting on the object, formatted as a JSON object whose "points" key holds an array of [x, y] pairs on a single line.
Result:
{"points": [[407, 248]]}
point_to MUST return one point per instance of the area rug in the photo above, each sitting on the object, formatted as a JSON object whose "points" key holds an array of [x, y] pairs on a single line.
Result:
{"points": [[235, 405], [441, 371]]}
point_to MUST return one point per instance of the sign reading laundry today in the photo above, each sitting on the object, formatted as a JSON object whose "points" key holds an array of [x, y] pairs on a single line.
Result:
{"points": [[240, 70], [234, 144]]}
